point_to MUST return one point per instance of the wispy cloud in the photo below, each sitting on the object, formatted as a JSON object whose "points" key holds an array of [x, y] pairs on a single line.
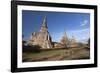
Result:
{"points": [[85, 22], [80, 30], [82, 34]]}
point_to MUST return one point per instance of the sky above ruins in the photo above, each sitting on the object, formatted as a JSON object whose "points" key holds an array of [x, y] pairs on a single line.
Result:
{"points": [[74, 24]]}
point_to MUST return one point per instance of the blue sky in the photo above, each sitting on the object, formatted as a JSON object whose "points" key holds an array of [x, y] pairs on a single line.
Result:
{"points": [[74, 24]]}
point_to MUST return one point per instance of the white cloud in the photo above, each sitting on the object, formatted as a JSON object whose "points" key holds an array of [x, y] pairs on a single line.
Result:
{"points": [[84, 23]]}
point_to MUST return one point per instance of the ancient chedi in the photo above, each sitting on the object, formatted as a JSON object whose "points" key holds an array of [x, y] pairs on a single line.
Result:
{"points": [[64, 41], [41, 38], [44, 40]]}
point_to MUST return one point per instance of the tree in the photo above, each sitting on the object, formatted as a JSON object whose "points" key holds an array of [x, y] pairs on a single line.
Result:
{"points": [[89, 42]]}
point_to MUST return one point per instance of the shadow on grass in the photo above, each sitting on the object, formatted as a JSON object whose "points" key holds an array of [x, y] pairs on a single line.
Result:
{"points": [[34, 48]]}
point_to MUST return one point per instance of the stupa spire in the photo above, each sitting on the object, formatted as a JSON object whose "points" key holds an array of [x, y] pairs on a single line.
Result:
{"points": [[44, 22], [44, 27]]}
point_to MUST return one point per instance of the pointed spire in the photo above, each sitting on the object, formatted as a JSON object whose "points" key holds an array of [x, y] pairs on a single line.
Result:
{"points": [[65, 35], [64, 39], [44, 27], [44, 23]]}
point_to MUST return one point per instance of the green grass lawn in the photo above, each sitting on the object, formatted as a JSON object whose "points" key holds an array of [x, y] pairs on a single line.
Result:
{"points": [[57, 54]]}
